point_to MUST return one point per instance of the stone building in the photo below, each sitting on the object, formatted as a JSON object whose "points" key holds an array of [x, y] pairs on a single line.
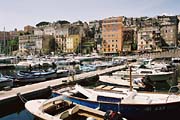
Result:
{"points": [[29, 29], [169, 29]]}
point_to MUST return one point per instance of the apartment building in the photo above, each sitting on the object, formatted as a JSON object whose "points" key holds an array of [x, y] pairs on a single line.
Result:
{"points": [[72, 43], [30, 43], [146, 40], [112, 35]]}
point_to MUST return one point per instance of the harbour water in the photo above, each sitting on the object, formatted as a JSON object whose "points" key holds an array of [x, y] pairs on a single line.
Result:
{"points": [[19, 112]]}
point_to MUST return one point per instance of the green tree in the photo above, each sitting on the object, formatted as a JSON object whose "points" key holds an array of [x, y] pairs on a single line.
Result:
{"points": [[62, 22], [12, 45], [42, 24], [52, 45]]}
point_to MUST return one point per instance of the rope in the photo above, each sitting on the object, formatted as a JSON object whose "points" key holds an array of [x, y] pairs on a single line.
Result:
{"points": [[24, 100]]}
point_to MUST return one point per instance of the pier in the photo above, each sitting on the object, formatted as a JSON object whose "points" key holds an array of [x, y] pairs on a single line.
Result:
{"points": [[32, 91]]}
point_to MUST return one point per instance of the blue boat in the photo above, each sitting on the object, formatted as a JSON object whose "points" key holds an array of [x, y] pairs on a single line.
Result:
{"points": [[35, 76], [131, 104]]}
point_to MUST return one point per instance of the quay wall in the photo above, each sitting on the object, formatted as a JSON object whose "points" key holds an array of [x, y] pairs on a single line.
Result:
{"points": [[165, 54]]}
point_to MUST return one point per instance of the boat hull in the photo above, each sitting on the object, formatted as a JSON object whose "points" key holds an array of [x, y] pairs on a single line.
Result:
{"points": [[164, 111], [6, 83], [154, 78], [32, 78]]}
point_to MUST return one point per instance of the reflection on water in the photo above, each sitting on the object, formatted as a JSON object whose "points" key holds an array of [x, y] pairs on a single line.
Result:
{"points": [[22, 115]]}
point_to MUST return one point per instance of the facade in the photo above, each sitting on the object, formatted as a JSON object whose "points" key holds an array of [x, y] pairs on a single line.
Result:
{"points": [[30, 43], [96, 28], [72, 43], [29, 29], [128, 39], [178, 17], [169, 34], [38, 31], [49, 30], [146, 40], [112, 35], [169, 29]]}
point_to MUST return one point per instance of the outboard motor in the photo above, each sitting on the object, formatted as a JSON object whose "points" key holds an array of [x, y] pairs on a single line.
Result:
{"points": [[111, 115]]}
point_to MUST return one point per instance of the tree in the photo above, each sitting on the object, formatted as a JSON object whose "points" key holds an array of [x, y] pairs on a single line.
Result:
{"points": [[13, 44], [42, 24], [52, 45], [62, 22]]}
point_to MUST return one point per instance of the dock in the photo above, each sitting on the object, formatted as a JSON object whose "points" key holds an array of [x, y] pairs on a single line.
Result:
{"points": [[34, 91]]}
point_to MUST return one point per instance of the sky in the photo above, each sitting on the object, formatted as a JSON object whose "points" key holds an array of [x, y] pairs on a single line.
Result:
{"points": [[19, 13]]}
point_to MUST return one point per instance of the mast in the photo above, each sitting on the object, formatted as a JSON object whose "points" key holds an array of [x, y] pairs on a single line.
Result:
{"points": [[4, 40], [130, 70]]}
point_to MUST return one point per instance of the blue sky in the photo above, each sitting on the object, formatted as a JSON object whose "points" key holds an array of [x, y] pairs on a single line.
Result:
{"points": [[18, 13]]}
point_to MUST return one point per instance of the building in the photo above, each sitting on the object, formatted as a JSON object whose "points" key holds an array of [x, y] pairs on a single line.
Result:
{"points": [[96, 28], [72, 43], [30, 43], [169, 29], [29, 29], [112, 35], [128, 39], [146, 40]]}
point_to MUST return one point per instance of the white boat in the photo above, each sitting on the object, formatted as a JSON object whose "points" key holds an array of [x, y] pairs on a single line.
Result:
{"points": [[117, 81], [132, 104], [155, 75], [58, 109]]}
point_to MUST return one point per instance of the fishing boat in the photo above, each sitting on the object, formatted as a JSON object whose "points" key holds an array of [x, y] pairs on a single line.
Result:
{"points": [[5, 81], [35, 76], [58, 109], [132, 104]]}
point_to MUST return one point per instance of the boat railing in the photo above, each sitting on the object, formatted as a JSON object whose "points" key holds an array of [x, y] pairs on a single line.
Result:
{"points": [[174, 90]]}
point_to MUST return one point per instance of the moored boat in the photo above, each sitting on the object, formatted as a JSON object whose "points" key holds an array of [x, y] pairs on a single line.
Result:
{"points": [[35, 76], [5, 81], [118, 81], [132, 104], [58, 109], [154, 75]]}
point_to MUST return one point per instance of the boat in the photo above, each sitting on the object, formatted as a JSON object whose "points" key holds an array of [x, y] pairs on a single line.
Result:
{"points": [[132, 104], [118, 81], [5, 81], [62, 73], [35, 76], [58, 109], [154, 75], [87, 67]]}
